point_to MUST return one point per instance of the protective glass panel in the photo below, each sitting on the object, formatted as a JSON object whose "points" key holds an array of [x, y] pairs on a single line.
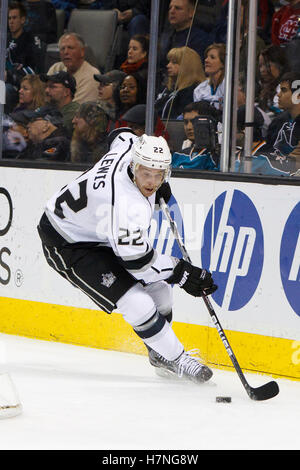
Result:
{"points": [[73, 71]]}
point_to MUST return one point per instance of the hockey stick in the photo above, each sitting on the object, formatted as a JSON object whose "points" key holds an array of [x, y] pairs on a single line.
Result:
{"points": [[264, 392]]}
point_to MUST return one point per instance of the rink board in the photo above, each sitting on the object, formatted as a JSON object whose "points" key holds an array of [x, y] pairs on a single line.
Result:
{"points": [[247, 234]]}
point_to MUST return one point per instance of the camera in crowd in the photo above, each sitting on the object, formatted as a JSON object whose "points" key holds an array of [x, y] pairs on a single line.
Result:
{"points": [[206, 134]]}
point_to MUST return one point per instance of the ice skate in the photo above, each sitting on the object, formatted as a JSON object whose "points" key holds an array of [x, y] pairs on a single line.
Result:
{"points": [[185, 366]]}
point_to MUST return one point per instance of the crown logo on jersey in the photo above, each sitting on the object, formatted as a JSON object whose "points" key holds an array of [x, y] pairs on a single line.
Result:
{"points": [[108, 279]]}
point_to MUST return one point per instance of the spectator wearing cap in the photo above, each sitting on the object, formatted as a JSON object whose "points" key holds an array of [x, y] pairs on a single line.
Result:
{"points": [[72, 54], [108, 83], [88, 142], [60, 91], [47, 134], [135, 119]]}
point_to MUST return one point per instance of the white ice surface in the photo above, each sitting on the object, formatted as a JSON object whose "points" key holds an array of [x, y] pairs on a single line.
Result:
{"points": [[83, 398]]}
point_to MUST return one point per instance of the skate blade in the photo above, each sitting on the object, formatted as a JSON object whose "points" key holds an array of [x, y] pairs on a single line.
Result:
{"points": [[169, 375], [166, 374]]}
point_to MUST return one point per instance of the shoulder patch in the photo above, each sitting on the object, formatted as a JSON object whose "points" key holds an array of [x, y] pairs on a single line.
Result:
{"points": [[51, 150]]}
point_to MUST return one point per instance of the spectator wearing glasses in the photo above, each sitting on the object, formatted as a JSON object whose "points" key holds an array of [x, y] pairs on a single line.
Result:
{"points": [[131, 91], [60, 91]]}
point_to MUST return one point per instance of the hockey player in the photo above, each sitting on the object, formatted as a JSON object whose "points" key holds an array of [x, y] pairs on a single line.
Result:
{"points": [[94, 233]]}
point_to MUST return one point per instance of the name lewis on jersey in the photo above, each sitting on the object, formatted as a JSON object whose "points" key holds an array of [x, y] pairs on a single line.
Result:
{"points": [[102, 171]]}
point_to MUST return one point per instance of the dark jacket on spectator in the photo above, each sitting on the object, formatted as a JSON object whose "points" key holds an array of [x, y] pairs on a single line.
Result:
{"points": [[22, 50], [41, 20], [282, 137], [199, 40], [284, 132], [138, 7], [170, 104], [56, 147]]}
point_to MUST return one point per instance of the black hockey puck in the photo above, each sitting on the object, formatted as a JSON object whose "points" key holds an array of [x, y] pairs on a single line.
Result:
{"points": [[223, 399]]}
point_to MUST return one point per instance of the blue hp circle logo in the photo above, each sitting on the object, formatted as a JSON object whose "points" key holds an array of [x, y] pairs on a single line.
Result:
{"points": [[161, 234], [290, 259], [233, 248]]}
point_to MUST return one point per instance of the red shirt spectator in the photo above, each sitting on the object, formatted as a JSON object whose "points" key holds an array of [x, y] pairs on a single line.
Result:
{"points": [[285, 23]]}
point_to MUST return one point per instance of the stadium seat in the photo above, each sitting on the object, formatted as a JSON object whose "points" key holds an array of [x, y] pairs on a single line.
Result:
{"points": [[52, 52], [60, 19], [99, 30], [208, 13], [176, 132], [101, 33]]}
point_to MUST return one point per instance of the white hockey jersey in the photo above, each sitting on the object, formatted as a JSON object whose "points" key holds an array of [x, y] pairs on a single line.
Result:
{"points": [[104, 205], [205, 92]]}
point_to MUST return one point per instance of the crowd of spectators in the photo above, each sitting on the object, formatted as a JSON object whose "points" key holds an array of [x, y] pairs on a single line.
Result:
{"points": [[65, 112]]}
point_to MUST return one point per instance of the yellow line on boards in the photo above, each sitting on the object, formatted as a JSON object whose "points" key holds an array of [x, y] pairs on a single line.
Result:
{"points": [[94, 328]]}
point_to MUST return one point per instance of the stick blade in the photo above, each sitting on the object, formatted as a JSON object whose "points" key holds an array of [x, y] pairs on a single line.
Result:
{"points": [[265, 392]]}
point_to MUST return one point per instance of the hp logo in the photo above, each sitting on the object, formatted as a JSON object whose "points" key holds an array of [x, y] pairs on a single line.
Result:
{"points": [[233, 248], [290, 259]]}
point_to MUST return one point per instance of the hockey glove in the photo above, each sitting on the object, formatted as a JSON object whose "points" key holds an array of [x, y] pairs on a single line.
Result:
{"points": [[195, 281], [163, 191]]}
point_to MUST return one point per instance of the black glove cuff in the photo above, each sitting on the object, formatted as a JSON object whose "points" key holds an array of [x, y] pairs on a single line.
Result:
{"points": [[178, 272]]}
